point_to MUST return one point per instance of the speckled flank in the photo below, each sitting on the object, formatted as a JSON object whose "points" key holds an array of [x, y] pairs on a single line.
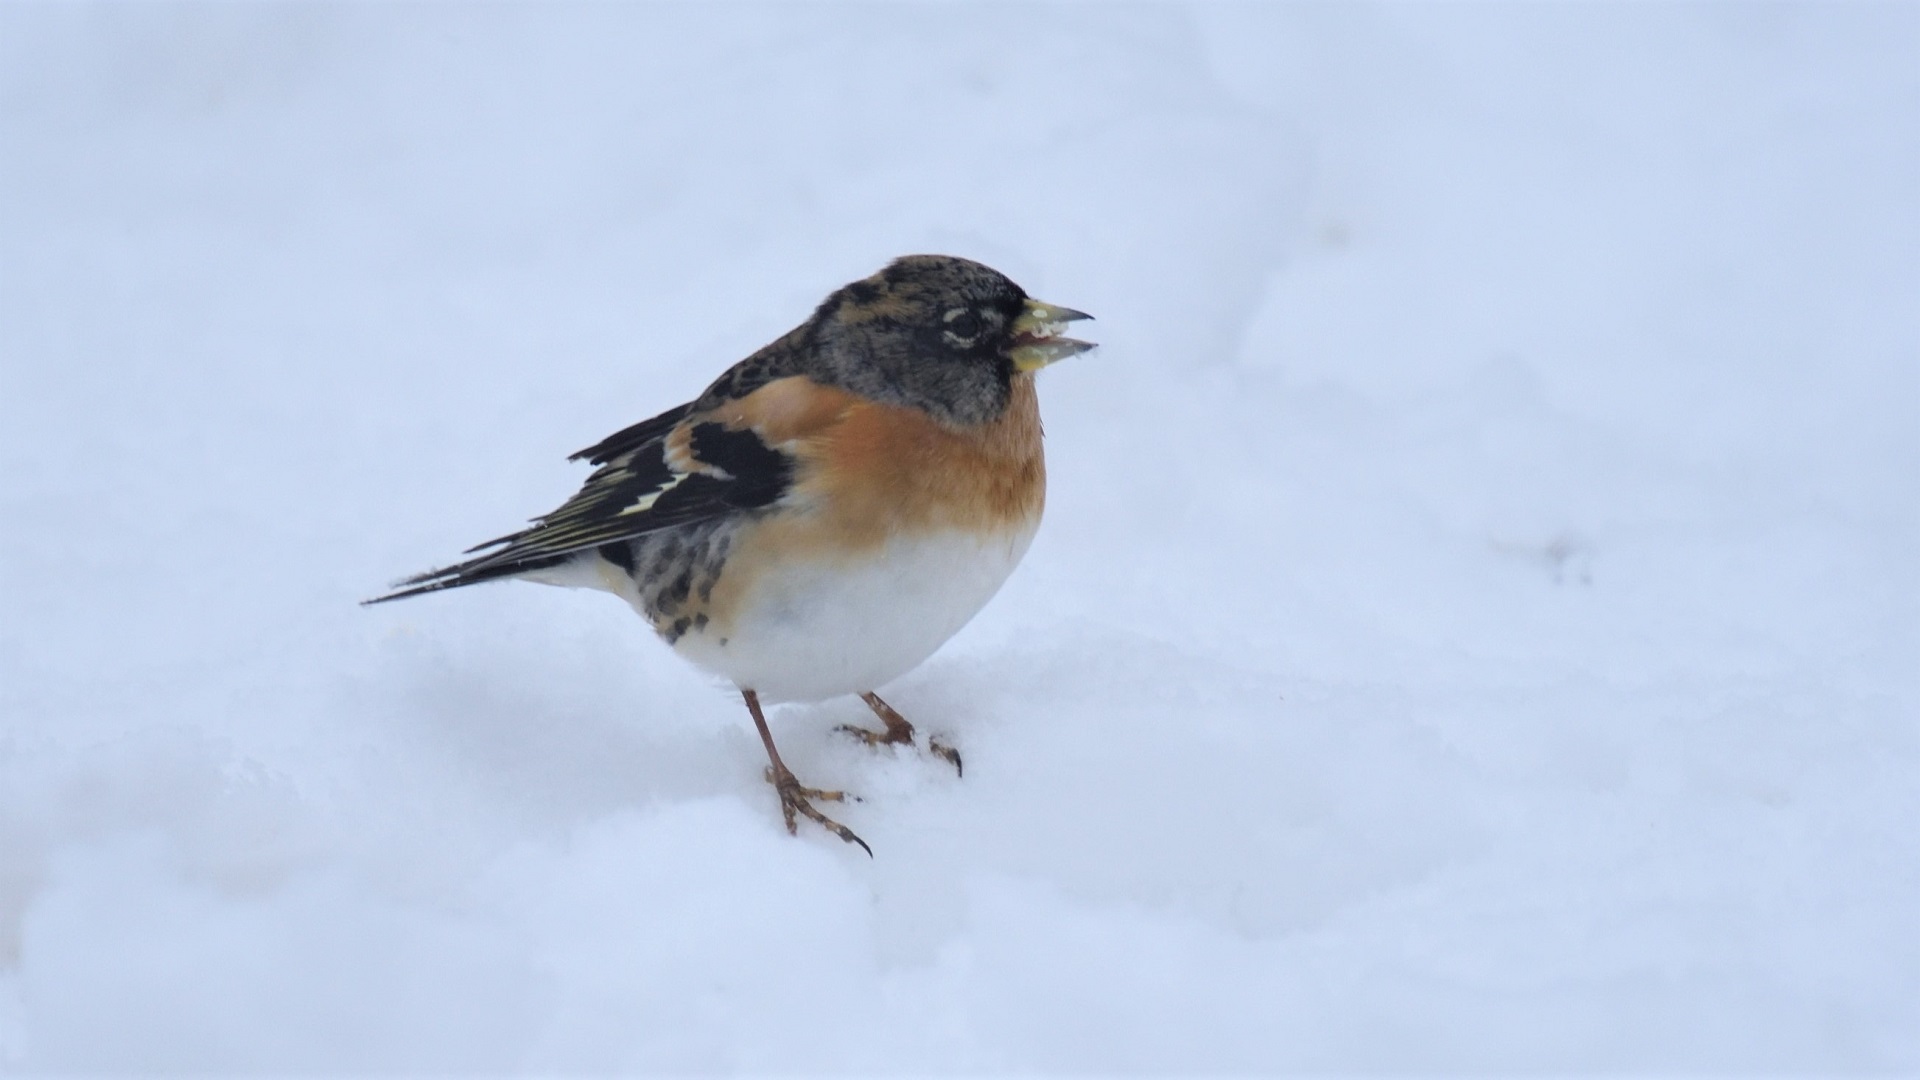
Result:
{"points": [[674, 574]]}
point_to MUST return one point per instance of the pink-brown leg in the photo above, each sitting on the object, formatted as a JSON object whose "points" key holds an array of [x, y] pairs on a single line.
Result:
{"points": [[794, 799]]}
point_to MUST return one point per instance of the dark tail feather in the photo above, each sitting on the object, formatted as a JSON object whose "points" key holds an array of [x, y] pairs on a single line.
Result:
{"points": [[472, 572]]}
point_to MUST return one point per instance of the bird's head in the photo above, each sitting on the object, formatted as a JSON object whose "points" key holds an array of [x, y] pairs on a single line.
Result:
{"points": [[939, 333]]}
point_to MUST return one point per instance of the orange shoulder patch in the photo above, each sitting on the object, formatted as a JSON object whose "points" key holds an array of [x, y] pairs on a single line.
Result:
{"points": [[786, 409]]}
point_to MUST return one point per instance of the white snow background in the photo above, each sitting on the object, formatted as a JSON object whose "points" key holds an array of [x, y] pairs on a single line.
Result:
{"points": [[1474, 626]]}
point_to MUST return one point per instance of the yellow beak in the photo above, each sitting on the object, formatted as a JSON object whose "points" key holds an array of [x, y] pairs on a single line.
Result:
{"points": [[1035, 335]]}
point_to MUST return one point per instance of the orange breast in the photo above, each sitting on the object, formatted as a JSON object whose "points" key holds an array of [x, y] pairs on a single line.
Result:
{"points": [[884, 469], [869, 473]]}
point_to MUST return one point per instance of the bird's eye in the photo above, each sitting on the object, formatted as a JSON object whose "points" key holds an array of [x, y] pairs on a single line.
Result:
{"points": [[962, 325]]}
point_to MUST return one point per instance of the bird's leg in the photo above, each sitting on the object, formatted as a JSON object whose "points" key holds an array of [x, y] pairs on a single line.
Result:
{"points": [[898, 731], [793, 797]]}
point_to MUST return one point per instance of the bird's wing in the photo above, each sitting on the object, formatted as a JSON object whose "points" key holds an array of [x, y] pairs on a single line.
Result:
{"points": [[678, 468], [629, 439]]}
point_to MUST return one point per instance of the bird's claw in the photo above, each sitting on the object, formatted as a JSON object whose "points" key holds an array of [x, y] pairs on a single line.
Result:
{"points": [[796, 802], [942, 750], [899, 737]]}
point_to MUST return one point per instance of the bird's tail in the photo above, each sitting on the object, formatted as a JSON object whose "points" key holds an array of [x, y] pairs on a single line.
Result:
{"points": [[471, 572]]}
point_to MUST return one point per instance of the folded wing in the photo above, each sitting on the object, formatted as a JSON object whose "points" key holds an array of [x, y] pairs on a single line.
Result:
{"points": [[674, 469]]}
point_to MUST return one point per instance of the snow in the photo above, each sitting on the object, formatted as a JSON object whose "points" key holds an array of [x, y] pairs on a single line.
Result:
{"points": [[1474, 626]]}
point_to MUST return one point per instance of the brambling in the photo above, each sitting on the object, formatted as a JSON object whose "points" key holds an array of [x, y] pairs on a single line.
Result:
{"points": [[831, 510]]}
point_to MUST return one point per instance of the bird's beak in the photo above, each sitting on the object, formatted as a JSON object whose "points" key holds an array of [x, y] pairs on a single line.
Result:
{"points": [[1035, 340]]}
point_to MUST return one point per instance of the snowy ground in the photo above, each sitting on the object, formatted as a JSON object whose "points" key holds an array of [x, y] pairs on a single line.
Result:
{"points": [[1475, 625]]}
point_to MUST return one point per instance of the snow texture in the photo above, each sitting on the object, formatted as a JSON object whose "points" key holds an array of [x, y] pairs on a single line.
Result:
{"points": [[1474, 626]]}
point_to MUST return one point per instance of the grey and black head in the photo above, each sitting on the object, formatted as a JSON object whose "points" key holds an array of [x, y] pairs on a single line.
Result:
{"points": [[938, 333]]}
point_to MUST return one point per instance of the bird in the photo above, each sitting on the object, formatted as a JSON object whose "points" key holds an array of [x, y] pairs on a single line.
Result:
{"points": [[830, 510]]}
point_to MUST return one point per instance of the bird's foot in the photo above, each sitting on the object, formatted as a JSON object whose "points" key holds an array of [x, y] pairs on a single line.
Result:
{"points": [[795, 803], [899, 732], [877, 739], [892, 737]]}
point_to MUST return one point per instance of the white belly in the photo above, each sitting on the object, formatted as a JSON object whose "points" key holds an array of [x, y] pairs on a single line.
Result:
{"points": [[817, 630]]}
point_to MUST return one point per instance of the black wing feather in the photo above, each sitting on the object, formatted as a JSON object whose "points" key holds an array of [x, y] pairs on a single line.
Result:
{"points": [[634, 492], [632, 438]]}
